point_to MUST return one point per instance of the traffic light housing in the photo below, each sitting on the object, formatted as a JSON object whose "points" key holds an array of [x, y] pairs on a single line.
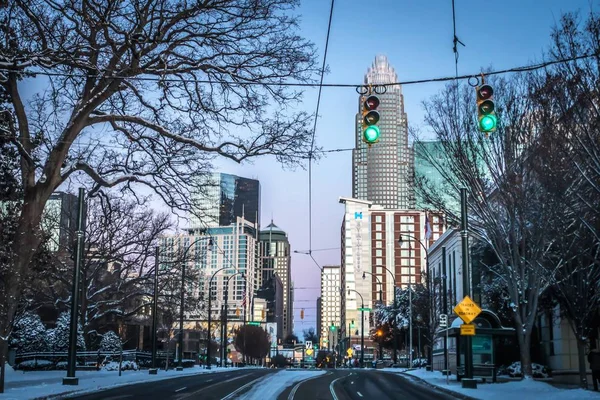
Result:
{"points": [[302, 314], [486, 109], [262, 314], [370, 118]]}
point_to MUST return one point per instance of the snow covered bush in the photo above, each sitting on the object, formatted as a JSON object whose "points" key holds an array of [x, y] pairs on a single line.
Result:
{"points": [[35, 365], [125, 366], [29, 334], [58, 338], [539, 371], [111, 342]]}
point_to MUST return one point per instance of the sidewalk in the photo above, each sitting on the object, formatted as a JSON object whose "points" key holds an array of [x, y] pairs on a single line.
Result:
{"points": [[40, 384], [523, 389]]}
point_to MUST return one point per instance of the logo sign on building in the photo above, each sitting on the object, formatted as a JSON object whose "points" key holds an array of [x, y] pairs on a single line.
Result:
{"points": [[467, 330], [308, 344], [358, 215], [467, 310]]}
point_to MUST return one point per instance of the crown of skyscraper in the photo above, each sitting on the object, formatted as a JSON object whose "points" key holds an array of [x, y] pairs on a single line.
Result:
{"points": [[381, 72]]}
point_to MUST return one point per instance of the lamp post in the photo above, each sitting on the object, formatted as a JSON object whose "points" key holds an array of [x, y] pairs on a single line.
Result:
{"points": [[154, 370], [395, 328], [362, 327], [225, 298], [400, 241], [378, 281], [208, 361]]}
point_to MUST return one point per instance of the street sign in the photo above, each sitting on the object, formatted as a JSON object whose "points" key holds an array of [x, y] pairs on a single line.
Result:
{"points": [[467, 330], [308, 344], [467, 310], [349, 352], [443, 320], [309, 352], [254, 323], [364, 309]]}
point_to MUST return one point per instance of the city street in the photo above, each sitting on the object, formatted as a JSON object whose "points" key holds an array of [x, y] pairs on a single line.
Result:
{"points": [[360, 384], [248, 384], [201, 386]]}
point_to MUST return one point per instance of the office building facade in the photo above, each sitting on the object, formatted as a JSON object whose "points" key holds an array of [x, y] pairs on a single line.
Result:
{"points": [[383, 172], [330, 310], [221, 198], [275, 259], [374, 259]]}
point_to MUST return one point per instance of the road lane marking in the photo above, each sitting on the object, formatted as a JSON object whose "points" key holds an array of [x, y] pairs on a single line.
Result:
{"points": [[295, 389], [180, 389], [188, 395], [232, 394], [331, 386], [359, 393]]}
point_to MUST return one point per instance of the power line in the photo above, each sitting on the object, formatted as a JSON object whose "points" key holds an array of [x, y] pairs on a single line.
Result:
{"points": [[312, 140], [524, 68]]}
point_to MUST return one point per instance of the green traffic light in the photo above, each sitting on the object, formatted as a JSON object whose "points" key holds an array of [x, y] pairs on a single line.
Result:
{"points": [[371, 134], [487, 123]]}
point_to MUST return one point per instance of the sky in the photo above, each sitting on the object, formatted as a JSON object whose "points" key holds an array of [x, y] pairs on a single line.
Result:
{"points": [[416, 36]]}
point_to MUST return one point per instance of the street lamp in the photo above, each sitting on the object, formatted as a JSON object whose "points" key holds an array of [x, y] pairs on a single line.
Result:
{"points": [[400, 241], [225, 298], [394, 329], [378, 281], [362, 327], [208, 361]]}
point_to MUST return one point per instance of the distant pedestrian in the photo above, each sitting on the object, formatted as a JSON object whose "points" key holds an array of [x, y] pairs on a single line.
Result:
{"points": [[594, 360]]}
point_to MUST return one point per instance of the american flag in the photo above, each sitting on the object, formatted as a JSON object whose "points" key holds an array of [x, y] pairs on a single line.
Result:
{"points": [[427, 228]]}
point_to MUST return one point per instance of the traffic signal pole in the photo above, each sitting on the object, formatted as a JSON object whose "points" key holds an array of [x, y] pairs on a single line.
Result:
{"points": [[468, 382]]}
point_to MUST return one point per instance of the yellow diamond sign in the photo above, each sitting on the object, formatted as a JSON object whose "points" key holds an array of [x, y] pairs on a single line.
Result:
{"points": [[467, 310], [309, 352]]}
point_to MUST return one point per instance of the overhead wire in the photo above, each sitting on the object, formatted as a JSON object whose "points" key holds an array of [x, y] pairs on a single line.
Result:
{"points": [[523, 68]]}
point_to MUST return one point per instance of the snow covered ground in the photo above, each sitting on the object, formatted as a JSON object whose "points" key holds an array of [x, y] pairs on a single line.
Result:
{"points": [[527, 389], [275, 384], [34, 384]]}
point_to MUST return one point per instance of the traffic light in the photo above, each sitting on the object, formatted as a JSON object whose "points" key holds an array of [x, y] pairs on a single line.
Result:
{"points": [[237, 312], [332, 327], [486, 108], [262, 314], [302, 314], [370, 119]]}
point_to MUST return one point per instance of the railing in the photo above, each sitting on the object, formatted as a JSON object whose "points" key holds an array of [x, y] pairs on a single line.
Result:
{"points": [[95, 358]]}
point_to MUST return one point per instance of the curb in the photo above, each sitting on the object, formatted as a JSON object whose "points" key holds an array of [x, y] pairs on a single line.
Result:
{"points": [[440, 388]]}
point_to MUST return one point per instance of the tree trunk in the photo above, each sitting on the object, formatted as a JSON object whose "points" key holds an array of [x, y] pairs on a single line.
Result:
{"points": [[3, 351], [525, 351], [582, 368]]}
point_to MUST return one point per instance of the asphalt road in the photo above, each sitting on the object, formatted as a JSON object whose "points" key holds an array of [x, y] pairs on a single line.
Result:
{"points": [[348, 384], [202, 386]]}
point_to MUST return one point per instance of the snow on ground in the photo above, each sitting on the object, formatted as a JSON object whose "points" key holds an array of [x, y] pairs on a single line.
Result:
{"points": [[34, 384], [275, 384], [526, 389]]}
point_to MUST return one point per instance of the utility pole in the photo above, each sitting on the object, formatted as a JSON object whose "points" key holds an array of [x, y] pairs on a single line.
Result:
{"points": [[468, 382], [445, 307], [70, 379], [154, 370], [182, 300]]}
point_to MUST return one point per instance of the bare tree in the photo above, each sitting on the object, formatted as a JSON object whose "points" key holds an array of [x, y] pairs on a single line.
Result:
{"points": [[145, 93], [508, 208]]}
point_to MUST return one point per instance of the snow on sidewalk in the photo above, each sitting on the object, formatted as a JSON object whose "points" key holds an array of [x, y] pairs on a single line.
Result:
{"points": [[34, 384], [526, 389], [274, 384]]}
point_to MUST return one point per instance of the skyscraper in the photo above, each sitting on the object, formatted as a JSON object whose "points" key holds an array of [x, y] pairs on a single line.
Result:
{"points": [[382, 173], [330, 305], [223, 198], [275, 259]]}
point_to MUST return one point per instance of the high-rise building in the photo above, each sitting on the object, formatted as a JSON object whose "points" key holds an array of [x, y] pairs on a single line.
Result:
{"points": [[431, 179], [382, 173], [275, 259], [59, 221], [372, 253], [330, 306], [231, 249], [319, 319], [221, 198]]}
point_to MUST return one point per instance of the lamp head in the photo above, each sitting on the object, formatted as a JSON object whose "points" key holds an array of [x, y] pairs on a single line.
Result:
{"points": [[363, 275], [400, 240]]}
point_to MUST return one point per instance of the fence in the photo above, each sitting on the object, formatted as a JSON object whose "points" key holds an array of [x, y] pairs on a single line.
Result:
{"points": [[91, 359]]}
